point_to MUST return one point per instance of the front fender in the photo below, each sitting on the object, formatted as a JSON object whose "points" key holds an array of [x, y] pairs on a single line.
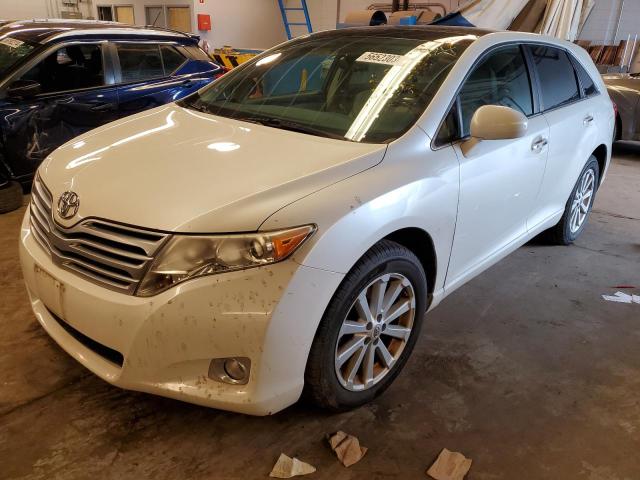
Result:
{"points": [[413, 187]]}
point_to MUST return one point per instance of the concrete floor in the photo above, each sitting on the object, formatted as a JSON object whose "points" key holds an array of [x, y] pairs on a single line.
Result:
{"points": [[526, 370]]}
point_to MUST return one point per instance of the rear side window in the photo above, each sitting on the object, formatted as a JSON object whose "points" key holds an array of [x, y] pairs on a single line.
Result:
{"points": [[558, 84], [171, 59], [195, 52], [586, 82], [139, 62], [500, 79]]}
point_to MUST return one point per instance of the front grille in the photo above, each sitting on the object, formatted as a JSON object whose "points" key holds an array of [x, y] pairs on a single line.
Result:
{"points": [[114, 256]]}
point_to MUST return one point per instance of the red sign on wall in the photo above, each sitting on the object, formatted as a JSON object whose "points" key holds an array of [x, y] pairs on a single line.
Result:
{"points": [[204, 22]]}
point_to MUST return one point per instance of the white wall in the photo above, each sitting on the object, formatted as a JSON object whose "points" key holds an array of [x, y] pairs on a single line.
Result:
{"points": [[139, 15], [242, 23], [22, 9], [601, 24]]}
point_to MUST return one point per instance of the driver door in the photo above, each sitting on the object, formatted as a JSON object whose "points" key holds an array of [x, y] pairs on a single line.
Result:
{"points": [[499, 179], [74, 97]]}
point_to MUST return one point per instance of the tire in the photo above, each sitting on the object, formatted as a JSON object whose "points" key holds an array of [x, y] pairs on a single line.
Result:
{"points": [[10, 197], [386, 265], [565, 232]]}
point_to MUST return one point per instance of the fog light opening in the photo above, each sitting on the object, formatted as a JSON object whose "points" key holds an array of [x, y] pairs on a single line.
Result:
{"points": [[232, 370]]}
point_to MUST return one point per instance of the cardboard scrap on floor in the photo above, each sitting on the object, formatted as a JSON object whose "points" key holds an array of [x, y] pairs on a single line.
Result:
{"points": [[449, 466], [347, 448], [287, 467]]}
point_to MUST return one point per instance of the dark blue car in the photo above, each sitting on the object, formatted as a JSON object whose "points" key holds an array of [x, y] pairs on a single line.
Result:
{"points": [[59, 79]]}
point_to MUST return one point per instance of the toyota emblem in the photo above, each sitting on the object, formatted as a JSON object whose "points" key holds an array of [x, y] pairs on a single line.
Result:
{"points": [[68, 204]]}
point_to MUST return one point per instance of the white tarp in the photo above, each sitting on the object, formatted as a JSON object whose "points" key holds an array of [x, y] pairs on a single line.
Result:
{"points": [[565, 18], [562, 18], [492, 14]]}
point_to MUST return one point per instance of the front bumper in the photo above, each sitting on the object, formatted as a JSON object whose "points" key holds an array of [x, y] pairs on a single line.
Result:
{"points": [[166, 342]]}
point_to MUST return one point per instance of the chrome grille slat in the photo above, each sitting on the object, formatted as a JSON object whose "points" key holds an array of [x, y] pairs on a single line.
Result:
{"points": [[112, 255], [147, 247], [96, 278], [43, 195], [38, 212], [131, 257], [70, 245]]}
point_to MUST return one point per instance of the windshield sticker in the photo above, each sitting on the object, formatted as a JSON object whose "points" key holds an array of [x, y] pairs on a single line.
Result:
{"points": [[11, 42], [383, 58]]}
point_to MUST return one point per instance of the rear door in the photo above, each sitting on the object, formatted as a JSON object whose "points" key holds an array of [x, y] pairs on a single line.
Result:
{"points": [[77, 94], [152, 74], [573, 120]]}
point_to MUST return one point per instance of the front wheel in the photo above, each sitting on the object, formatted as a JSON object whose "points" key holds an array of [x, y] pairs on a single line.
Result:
{"points": [[578, 206], [368, 330]]}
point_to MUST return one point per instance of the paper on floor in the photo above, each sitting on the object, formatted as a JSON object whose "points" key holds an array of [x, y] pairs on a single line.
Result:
{"points": [[287, 467], [449, 466], [347, 448], [620, 297]]}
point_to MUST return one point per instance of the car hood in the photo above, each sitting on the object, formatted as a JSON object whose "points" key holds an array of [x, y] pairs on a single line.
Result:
{"points": [[176, 169]]}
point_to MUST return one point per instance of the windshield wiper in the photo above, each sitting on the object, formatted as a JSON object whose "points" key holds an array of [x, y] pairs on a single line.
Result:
{"points": [[291, 126], [198, 108]]}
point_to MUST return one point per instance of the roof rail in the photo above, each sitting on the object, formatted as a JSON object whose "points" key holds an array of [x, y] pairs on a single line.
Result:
{"points": [[164, 29]]}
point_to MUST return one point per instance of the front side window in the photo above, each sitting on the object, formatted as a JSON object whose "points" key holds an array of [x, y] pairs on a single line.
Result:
{"points": [[12, 51], [558, 83], [449, 130], [501, 78], [357, 88], [71, 67]]}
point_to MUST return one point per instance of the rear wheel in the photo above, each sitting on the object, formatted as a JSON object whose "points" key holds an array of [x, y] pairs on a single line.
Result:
{"points": [[368, 330], [578, 206]]}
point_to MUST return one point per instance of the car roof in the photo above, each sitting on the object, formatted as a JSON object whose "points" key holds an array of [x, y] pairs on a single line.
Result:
{"points": [[419, 32], [44, 31]]}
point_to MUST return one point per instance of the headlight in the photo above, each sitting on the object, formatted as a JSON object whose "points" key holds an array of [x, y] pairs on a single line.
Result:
{"points": [[188, 256]]}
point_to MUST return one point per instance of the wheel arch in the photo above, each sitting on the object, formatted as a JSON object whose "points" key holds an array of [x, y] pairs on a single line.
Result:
{"points": [[618, 121], [421, 244], [601, 156]]}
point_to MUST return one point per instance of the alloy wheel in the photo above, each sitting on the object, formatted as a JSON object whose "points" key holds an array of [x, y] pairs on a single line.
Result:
{"points": [[582, 200], [375, 332]]}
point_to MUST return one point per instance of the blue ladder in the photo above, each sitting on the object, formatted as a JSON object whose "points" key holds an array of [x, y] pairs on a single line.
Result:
{"points": [[287, 24]]}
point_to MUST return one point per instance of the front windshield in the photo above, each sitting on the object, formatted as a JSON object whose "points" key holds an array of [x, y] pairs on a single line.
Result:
{"points": [[357, 88], [12, 51]]}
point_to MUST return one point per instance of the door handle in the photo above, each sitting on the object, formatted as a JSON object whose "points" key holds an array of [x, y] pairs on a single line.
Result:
{"points": [[104, 107], [587, 120], [538, 145]]}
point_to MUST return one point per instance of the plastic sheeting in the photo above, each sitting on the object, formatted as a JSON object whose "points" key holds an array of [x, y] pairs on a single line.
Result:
{"points": [[491, 14], [562, 18]]}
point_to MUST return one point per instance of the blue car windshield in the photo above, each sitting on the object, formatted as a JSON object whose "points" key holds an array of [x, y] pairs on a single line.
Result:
{"points": [[12, 51], [357, 88]]}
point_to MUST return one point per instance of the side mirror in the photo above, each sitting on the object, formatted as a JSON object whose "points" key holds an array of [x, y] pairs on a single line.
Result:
{"points": [[23, 89], [493, 122]]}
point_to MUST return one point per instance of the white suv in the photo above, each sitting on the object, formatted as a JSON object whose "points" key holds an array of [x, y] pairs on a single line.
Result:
{"points": [[286, 228]]}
